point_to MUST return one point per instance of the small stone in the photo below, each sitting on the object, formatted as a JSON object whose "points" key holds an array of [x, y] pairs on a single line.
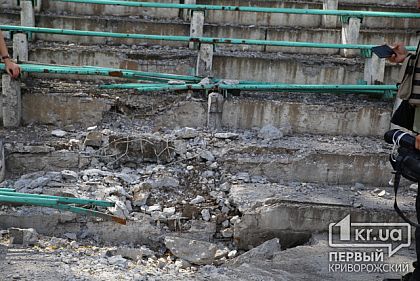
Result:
{"points": [[227, 233], [234, 220], [269, 132], [359, 186], [194, 251], [225, 187], [23, 236], [414, 187], [93, 139], [225, 223], [118, 261], [232, 254], [69, 175], [92, 128], [226, 135], [189, 168], [197, 200], [169, 211], [207, 155], [186, 133], [74, 245], [205, 213], [153, 208], [382, 193], [180, 263], [58, 133], [71, 236]]}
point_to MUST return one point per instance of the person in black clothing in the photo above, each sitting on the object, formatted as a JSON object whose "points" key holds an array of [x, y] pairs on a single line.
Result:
{"points": [[400, 55]]}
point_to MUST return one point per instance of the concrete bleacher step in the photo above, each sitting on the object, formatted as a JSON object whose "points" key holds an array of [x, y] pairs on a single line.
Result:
{"points": [[309, 113], [321, 159], [248, 18], [378, 35], [274, 210], [256, 66]]}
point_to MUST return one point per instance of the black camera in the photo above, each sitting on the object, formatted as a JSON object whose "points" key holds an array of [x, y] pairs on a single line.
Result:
{"points": [[406, 159]]}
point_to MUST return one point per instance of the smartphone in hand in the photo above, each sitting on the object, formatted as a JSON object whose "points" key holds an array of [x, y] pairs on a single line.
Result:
{"points": [[383, 51]]}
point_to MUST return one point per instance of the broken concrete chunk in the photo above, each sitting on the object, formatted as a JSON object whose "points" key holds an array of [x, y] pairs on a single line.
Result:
{"points": [[205, 213], [118, 261], [265, 251], [133, 254], [69, 175], [58, 133], [227, 232], [94, 139], [140, 196], [197, 200], [186, 133], [193, 251], [226, 135], [207, 155], [168, 211], [23, 236], [269, 132]]}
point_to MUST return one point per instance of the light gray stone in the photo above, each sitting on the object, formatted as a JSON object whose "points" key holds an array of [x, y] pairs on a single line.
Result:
{"points": [[207, 155], [269, 132], [197, 200], [205, 213], [58, 133], [193, 251], [226, 135], [69, 175], [23, 236], [265, 251], [186, 133]]}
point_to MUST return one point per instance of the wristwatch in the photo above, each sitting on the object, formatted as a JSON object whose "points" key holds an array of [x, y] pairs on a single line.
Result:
{"points": [[5, 57]]}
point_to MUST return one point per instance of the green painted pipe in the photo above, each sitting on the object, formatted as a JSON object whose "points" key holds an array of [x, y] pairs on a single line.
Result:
{"points": [[104, 71], [7, 189], [60, 199], [26, 200], [208, 40], [53, 203], [248, 9]]}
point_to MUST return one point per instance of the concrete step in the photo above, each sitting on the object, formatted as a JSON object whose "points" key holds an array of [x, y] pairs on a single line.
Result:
{"points": [[226, 30], [257, 66], [48, 101], [328, 160], [219, 17], [308, 262], [272, 210]]}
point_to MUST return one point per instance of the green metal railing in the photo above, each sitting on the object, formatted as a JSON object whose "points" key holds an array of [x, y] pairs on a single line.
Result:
{"points": [[208, 40], [344, 13], [104, 71], [8, 195], [386, 90], [191, 82]]}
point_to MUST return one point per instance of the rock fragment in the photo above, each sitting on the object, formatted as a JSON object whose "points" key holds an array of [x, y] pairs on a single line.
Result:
{"points": [[193, 251]]}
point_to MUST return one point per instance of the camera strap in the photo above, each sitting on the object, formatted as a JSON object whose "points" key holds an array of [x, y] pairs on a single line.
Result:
{"points": [[397, 179]]}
